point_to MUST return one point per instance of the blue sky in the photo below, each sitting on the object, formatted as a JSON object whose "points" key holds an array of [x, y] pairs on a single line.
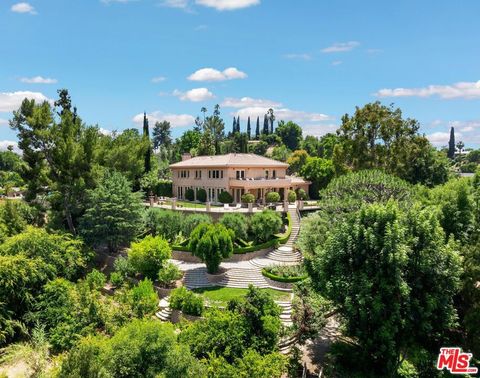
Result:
{"points": [[311, 60]]}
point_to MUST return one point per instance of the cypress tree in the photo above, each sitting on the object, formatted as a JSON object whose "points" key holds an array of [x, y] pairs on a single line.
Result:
{"points": [[234, 128], [146, 135], [265, 125], [451, 144], [257, 131], [249, 131], [238, 123], [271, 126]]}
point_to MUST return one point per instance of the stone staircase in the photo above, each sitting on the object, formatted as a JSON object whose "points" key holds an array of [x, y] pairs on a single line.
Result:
{"points": [[295, 227], [286, 315], [165, 312], [195, 276], [242, 277]]}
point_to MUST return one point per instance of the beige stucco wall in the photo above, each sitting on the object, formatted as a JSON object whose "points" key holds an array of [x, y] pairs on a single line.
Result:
{"points": [[217, 185]]}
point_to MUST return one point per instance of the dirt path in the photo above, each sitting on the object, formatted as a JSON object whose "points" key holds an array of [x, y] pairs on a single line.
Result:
{"points": [[314, 350]]}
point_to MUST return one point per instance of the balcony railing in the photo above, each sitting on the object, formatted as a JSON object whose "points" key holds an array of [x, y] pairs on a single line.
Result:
{"points": [[261, 182]]}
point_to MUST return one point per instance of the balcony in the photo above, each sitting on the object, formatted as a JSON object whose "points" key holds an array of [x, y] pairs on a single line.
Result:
{"points": [[257, 183]]}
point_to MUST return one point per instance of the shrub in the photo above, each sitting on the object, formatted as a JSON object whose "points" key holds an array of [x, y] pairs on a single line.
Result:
{"points": [[237, 223], [272, 197], [265, 224], [186, 301], [169, 274], [211, 243], [116, 279], [292, 196], [189, 194], [225, 197], [193, 220], [302, 194], [201, 195], [95, 279], [248, 198], [123, 267], [148, 256], [143, 299], [166, 223]]}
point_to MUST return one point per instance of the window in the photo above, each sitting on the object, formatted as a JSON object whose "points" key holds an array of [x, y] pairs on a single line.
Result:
{"points": [[216, 174], [198, 174], [240, 175], [266, 174], [274, 174]]}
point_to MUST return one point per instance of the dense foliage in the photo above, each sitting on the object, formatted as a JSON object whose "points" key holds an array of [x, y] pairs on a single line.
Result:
{"points": [[148, 256], [211, 243], [265, 224], [113, 215], [381, 253]]}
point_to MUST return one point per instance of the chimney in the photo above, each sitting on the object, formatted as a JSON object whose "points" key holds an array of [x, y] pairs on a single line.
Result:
{"points": [[186, 156]]}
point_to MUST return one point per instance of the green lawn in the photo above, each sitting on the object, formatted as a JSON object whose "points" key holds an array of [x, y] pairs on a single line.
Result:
{"points": [[222, 295]]}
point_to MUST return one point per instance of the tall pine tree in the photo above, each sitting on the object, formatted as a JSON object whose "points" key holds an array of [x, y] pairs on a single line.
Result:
{"points": [[451, 144], [249, 130], [271, 118], [234, 127], [238, 124], [265, 125], [146, 135], [257, 130]]}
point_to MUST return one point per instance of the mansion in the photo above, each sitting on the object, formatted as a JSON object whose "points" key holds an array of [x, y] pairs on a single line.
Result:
{"points": [[234, 173]]}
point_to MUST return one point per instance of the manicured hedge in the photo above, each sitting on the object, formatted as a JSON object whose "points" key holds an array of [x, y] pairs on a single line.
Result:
{"points": [[283, 238], [164, 188], [279, 239], [274, 277]]}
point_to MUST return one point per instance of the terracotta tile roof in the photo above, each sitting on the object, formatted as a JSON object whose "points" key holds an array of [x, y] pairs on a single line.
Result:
{"points": [[229, 160]]}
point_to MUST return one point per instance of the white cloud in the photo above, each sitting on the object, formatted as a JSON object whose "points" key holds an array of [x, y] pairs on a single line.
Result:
{"points": [[23, 8], [303, 56], [211, 74], [3, 121], [223, 5], [176, 120], [282, 114], [466, 90], [341, 47], [440, 138], [194, 95], [38, 80], [181, 4], [10, 101], [465, 126], [247, 102], [158, 79], [4, 144], [201, 27], [336, 62], [104, 131], [318, 130]]}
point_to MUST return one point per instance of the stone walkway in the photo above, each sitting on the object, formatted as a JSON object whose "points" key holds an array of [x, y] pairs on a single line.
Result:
{"points": [[243, 273]]}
